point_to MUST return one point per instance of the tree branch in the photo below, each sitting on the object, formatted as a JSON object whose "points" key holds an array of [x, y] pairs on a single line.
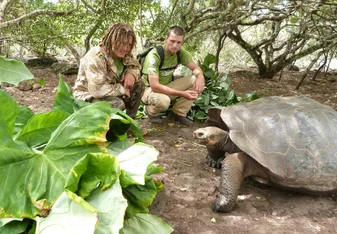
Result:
{"points": [[184, 15], [3, 8], [37, 13], [90, 7]]}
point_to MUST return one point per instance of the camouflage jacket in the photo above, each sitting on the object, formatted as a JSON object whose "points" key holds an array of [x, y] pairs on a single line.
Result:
{"points": [[97, 76]]}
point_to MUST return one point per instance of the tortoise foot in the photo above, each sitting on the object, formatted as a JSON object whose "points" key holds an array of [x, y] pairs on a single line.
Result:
{"points": [[214, 163], [221, 204]]}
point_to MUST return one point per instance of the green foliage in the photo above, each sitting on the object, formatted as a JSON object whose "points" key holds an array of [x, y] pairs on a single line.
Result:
{"points": [[217, 91], [13, 71], [72, 178], [41, 82], [45, 34], [141, 112]]}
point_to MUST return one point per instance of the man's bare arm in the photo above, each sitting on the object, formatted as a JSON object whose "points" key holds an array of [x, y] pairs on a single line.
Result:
{"points": [[159, 88]]}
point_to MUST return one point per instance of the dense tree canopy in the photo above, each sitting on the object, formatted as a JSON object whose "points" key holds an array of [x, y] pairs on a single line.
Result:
{"points": [[274, 33]]}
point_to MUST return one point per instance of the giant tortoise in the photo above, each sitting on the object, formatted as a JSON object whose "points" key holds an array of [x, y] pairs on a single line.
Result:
{"points": [[289, 142]]}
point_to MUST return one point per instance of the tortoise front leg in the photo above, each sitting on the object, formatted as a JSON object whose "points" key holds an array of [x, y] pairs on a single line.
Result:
{"points": [[214, 163], [235, 168], [214, 157], [230, 182]]}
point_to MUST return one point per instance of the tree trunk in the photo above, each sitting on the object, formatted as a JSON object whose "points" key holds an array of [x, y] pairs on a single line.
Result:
{"points": [[321, 67], [92, 32], [141, 24], [2, 51], [73, 51], [221, 41], [307, 70]]}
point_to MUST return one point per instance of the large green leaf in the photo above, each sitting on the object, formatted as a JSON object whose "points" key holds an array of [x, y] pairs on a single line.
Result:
{"points": [[152, 169], [13, 71], [25, 114], [134, 162], [9, 111], [209, 59], [145, 223], [13, 226], [120, 123], [5, 221], [96, 178], [111, 206], [117, 147], [39, 128], [91, 172], [84, 127], [140, 197], [68, 216], [43, 173], [64, 99]]}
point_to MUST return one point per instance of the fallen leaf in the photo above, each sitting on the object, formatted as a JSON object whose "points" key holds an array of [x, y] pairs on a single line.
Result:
{"points": [[213, 220]]}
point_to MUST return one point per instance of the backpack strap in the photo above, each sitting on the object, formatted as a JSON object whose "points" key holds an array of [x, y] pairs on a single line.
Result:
{"points": [[178, 57], [160, 51]]}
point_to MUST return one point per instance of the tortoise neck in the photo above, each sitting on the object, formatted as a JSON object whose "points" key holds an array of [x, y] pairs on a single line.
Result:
{"points": [[227, 145]]}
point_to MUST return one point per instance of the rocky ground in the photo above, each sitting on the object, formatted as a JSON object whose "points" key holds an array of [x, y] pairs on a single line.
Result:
{"points": [[190, 186]]}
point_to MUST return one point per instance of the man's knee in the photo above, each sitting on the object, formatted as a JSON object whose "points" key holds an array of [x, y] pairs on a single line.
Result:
{"points": [[192, 79], [162, 103]]}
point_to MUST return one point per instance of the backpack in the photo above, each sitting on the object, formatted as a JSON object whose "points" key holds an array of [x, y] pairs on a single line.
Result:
{"points": [[160, 51]]}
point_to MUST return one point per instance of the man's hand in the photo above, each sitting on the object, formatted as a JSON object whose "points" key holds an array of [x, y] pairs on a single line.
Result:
{"points": [[127, 93], [199, 84], [190, 95], [128, 81]]}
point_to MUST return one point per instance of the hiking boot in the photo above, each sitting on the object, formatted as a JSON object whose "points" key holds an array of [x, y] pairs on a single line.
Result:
{"points": [[153, 119], [181, 119]]}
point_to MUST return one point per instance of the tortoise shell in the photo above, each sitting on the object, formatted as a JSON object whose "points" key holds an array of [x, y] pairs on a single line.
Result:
{"points": [[295, 138]]}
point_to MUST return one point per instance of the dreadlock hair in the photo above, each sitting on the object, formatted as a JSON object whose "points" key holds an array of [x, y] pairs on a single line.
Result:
{"points": [[115, 36], [177, 30]]}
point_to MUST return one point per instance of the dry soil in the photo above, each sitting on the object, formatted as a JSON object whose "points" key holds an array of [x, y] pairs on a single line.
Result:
{"points": [[190, 186]]}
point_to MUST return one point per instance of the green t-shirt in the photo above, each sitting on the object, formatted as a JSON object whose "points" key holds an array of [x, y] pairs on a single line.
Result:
{"points": [[152, 61], [119, 65]]}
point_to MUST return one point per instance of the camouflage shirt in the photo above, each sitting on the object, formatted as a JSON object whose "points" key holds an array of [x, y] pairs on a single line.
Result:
{"points": [[98, 76]]}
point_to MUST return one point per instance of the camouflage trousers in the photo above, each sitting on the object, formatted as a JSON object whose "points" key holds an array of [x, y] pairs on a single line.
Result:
{"points": [[131, 104]]}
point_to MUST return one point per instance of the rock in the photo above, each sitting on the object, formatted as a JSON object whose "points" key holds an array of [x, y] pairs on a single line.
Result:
{"points": [[331, 79], [181, 71], [36, 86], [41, 62], [293, 68], [6, 84], [65, 68], [25, 85]]}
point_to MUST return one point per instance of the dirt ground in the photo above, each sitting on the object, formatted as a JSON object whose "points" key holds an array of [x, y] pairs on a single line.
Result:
{"points": [[190, 186]]}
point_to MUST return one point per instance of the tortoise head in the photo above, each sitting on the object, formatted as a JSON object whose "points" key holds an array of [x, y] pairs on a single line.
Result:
{"points": [[209, 135]]}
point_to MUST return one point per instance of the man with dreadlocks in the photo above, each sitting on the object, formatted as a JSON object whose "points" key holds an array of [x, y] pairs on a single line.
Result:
{"points": [[109, 72]]}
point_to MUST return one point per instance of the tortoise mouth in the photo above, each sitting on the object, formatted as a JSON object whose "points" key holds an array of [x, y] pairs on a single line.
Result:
{"points": [[201, 141], [200, 137]]}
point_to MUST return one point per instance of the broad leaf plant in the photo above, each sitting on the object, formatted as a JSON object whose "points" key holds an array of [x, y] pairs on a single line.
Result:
{"points": [[73, 169]]}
